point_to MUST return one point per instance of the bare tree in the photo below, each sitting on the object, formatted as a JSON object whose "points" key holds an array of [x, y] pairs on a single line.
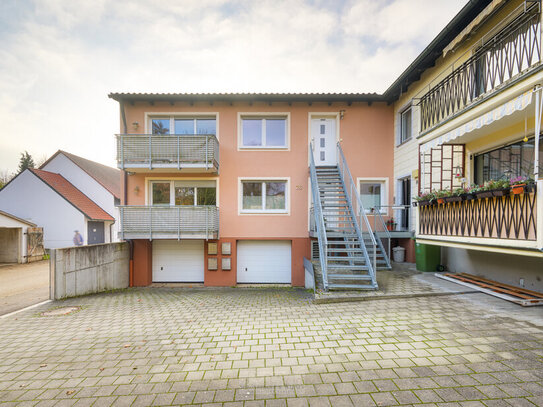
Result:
{"points": [[5, 177]]}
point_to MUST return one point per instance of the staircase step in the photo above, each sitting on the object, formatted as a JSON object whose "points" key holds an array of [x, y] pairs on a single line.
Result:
{"points": [[349, 276], [352, 286], [345, 267]]}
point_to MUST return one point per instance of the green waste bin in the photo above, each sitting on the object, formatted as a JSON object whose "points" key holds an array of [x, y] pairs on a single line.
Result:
{"points": [[428, 257]]}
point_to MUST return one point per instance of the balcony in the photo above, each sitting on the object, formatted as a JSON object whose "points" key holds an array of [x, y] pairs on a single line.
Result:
{"points": [[502, 219], [193, 153], [169, 222], [498, 61]]}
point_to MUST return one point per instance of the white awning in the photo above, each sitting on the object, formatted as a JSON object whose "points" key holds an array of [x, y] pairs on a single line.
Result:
{"points": [[516, 104]]}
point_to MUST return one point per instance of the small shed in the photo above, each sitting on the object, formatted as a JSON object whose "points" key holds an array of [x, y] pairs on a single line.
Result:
{"points": [[14, 239]]}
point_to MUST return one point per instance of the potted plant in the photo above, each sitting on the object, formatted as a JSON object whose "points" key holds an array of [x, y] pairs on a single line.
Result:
{"points": [[391, 224], [441, 195], [481, 191], [519, 184]]}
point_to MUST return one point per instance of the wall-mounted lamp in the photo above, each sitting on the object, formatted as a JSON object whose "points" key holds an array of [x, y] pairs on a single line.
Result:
{"points": [[136, 189], [341, 114], [458, 171], [135, 125], [129, 173]]}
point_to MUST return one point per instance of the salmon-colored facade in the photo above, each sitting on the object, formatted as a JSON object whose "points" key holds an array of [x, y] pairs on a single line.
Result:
{"points": [[364, 130]]}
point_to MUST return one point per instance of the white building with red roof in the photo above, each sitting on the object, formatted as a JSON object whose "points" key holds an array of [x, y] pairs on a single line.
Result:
{"points": [[68, 193]]}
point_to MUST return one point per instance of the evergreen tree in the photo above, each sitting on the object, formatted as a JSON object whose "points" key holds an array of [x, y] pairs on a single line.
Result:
{"points": [[26, 161]]}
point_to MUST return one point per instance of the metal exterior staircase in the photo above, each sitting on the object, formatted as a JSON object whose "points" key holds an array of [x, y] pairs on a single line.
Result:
{"points": [[344, 235]]}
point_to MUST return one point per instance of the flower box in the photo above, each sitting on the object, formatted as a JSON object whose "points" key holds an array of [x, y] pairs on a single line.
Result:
{"points": [[453, 199], [469, 197], [483, 194], [518, 189], [501, 192], [424, 203]]}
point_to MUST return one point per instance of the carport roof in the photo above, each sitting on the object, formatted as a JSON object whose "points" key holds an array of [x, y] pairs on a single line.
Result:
{"points": [[73, 195], [9, 215]]}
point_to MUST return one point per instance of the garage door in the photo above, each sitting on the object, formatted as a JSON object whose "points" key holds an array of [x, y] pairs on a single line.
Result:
{"points": [[264, 261], [178, 261]]}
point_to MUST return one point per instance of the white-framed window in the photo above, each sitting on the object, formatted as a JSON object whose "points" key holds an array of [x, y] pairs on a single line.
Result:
{"points": [[183, 193], [406, 125], [265, 132], [185, 125], [264, 195], [373, 194]]}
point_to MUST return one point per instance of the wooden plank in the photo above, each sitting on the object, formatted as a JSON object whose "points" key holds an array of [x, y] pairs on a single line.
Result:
{"points": [[519, 289], [492, 287]]}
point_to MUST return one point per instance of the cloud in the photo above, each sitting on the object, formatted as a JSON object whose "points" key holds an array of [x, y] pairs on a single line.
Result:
{"points": [[60, 58]]}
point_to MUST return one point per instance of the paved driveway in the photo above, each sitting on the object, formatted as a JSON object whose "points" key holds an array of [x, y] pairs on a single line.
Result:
{"points": [[22, 285], [273, 347]]}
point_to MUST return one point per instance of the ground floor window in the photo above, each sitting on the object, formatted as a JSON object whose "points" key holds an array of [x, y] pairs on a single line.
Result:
{"points": [[264, 196], [510, 161], [373, 194]]}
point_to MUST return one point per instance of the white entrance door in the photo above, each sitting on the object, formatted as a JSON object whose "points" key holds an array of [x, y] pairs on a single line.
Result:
{"points": [[264, 261], [323, 136], [178, 261]]}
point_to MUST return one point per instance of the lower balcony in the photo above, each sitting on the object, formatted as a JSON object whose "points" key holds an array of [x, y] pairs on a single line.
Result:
{"points": [[501, 219], [169, 222]]}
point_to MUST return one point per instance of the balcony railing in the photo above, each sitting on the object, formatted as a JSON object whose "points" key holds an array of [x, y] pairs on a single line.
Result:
{"points": [[169, 222], [505, 56], [510, 217], [175, 151]]}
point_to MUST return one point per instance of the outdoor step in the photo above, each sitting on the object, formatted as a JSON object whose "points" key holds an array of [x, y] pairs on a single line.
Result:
{"points": [[348, 277], [346, 267], [351, 286]]}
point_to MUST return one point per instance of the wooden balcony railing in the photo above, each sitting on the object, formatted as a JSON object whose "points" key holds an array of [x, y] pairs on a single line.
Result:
{"points": [[507, 55], [169, 222], [176, 151], [497, 217]]}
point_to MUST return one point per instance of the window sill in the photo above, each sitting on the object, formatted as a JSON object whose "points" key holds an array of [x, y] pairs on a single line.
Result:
{"points": [[241, 148], [404, 142], [256, 212]]}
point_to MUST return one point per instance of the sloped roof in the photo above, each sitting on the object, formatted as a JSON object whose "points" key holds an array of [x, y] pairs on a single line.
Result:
{"points": [[9, 215], [108, 177], [73, 195]]}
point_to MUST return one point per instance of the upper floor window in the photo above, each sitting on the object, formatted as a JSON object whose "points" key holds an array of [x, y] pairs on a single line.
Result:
{"points": [[264, 196], [263, 132], [183, 125], [405, 125], [183, 193]]}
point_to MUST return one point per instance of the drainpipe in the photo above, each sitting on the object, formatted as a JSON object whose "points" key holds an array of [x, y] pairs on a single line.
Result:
{"points": [[131, 263]]}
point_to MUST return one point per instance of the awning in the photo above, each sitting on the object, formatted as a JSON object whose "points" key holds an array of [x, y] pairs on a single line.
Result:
{"points": [[516, 104]]}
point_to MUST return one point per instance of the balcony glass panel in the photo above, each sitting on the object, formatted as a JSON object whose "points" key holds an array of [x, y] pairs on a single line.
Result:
{"points": [[161, 193]]}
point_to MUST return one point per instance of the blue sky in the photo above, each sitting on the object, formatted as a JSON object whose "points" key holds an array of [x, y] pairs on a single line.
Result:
{"points": [[60, 58]]}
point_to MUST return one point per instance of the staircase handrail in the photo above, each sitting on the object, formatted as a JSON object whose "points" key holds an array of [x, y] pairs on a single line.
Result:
{"points": [[343, 167], [376, 211], [319, 218]]}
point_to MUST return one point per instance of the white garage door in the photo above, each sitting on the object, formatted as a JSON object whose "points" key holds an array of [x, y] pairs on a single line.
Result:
{"points": [[264, 261], [178, 261]]}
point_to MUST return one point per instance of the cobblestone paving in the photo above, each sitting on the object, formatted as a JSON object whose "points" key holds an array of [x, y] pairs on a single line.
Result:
{"points": [[268, 347]]}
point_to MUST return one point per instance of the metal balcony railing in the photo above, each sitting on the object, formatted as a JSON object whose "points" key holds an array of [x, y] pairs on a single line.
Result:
{"points": [[169, 222], [509, 54], [200, 151], [512, 217]]}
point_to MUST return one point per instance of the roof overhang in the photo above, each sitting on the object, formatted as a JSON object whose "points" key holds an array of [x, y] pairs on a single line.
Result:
{"points": [[248, 97]]}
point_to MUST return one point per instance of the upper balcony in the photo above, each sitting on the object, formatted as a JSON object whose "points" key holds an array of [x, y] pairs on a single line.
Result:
{"points": [[166, 152], [499, 60]]}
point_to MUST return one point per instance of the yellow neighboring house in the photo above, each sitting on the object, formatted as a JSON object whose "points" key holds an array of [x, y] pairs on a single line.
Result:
{"points": [[470, 119]]}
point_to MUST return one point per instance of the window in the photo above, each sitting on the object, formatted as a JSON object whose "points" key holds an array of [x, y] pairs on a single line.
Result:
{"points": [[184, 193], [269, 132], [405, 126], [264, 196], [184, 125], [373, 194], [508, 162]]}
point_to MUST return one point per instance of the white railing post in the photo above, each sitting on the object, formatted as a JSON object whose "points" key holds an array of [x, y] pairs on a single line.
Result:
{"points": [[178, 154], [150, 151], [207, 139]]}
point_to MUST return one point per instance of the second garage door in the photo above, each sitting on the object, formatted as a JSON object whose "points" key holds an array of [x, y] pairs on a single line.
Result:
{"points": [[178, 261], [264, 261]]}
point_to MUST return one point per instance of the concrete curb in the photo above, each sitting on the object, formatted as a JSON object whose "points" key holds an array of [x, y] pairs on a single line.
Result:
{"points": [[388, 297]]}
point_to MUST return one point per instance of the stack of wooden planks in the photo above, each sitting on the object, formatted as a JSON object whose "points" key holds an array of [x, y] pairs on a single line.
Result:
{"points": [[507, 292]]}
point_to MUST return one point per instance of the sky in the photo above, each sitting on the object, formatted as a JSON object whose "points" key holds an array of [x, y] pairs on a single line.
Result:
{"points": [[59, 59]]}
